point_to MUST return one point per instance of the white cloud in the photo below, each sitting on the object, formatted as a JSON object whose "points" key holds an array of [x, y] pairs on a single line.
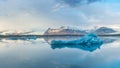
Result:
{"points": [[41, 14]]}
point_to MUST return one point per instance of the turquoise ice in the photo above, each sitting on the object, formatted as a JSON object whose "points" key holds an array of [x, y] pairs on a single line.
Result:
{"points": [[89, 42]]}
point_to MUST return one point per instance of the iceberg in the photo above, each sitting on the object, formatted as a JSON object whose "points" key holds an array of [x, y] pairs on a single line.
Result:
{"points": [[23, 38], [89, 42]]}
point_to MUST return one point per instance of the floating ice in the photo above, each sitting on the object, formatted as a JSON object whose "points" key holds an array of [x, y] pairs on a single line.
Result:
{"points": [[89, 42], [23, 38]]}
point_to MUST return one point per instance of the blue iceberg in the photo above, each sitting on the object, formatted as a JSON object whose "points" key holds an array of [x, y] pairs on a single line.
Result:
{"points": [[23, 38], [89, 42]]}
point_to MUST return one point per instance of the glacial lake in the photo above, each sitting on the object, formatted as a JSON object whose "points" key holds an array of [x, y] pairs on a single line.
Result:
{"points": [[19, 53]]}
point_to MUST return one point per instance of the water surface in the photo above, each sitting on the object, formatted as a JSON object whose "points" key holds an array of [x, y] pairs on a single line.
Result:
{"points": [[40, 54]]}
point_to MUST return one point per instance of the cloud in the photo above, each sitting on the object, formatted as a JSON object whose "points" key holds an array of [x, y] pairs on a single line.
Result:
{"points": [[74, 3], [92, 1], [43, 13], [93, 14]]}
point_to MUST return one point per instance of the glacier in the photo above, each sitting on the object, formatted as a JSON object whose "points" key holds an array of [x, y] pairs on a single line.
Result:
{"points": [[89, 42]]}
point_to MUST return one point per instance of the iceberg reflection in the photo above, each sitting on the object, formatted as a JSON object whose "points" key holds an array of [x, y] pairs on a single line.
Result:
{"points": [[89, 42]]}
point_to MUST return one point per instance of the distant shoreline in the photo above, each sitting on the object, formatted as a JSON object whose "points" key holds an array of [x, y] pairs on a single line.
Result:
{"points": [[8, 36]]}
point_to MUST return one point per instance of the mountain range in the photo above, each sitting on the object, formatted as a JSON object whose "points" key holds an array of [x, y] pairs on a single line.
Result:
{"points": [[70, 31]]}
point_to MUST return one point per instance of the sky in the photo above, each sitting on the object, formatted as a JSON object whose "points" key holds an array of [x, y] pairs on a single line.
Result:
{"points": [[42, 14]]}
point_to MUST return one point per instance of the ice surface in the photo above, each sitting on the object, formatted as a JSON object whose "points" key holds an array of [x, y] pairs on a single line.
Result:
{"points": [[89, 42]]}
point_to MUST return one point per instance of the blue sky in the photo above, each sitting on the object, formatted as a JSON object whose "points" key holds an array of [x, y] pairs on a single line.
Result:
{"points": [[41, 14]]}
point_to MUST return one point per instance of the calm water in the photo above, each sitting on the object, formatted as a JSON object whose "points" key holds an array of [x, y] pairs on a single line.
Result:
{"points": [[40, 54]]}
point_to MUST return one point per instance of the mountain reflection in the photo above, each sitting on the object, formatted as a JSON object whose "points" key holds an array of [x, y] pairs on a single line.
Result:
{"points": [[108, 40], [48, 40]]}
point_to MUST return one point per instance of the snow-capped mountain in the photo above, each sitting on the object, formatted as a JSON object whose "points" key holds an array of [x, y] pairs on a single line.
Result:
{"points": [[73, 31], [104, 30], [61, 31], [65, 31]]}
